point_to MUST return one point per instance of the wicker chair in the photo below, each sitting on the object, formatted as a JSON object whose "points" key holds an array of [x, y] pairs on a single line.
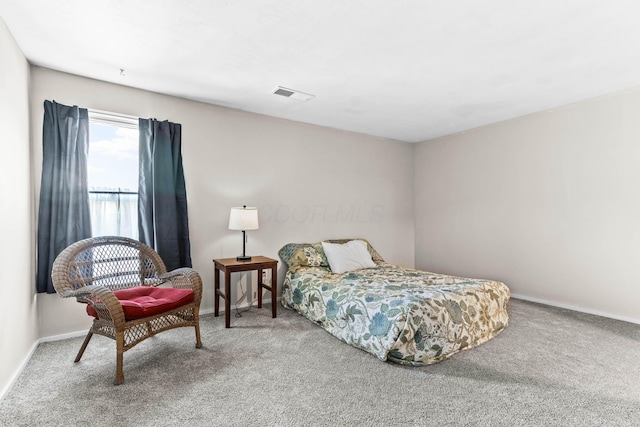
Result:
{"points": [[100, 271]]}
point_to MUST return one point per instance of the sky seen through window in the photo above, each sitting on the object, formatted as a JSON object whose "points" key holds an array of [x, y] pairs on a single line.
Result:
{"points": [[113, 158]]}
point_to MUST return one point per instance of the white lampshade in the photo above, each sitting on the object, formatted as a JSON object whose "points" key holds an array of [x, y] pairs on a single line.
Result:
{"points": [[243, 218]]}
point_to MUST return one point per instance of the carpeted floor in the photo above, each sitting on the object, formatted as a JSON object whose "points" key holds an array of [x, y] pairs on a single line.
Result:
{"points": [[549, 367]]}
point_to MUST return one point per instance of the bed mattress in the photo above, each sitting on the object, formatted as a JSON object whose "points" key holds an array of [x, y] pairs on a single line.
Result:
{"points": [[396, 313]]}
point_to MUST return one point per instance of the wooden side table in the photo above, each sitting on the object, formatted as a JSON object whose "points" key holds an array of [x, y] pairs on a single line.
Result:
{"points": [[231, 265]]}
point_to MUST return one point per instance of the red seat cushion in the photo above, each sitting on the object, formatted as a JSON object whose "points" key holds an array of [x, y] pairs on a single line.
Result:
{"points": [[143, 301]]}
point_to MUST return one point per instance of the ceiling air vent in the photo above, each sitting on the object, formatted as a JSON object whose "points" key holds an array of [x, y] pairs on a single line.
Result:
{"points": [[283, 92], [293, 94]]}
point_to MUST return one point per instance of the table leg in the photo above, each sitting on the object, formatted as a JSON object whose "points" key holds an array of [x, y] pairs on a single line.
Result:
{"points": [[227, 299], [216, 291], [274, 292], [260, 288]]}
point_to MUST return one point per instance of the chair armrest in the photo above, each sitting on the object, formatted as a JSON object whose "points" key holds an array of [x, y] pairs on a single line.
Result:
{"points": [[80, 292], [185, 278], [103, 301]]}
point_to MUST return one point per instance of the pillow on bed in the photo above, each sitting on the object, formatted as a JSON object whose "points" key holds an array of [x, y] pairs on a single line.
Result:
{"points": [[374, 254], [303, 255], [349, 256]]}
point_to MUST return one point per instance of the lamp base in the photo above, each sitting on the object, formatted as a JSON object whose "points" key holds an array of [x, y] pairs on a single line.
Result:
{"points": [[243, 258]]}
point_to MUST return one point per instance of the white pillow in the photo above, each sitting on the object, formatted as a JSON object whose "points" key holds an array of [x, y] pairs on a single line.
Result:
{"points": [[349, 256]]}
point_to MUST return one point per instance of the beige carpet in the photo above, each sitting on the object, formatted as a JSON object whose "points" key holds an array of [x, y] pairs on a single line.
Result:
{"points": [[549, 367]]}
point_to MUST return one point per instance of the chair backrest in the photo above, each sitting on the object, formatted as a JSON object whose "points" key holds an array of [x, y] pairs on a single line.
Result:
{"points": [[110, 261]]}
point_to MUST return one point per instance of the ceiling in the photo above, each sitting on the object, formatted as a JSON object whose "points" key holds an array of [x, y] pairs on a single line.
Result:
{"points": [[410, 70]]}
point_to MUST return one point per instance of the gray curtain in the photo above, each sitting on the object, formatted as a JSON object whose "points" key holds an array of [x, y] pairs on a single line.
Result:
{"points": [[162, 196], [63, 216]]}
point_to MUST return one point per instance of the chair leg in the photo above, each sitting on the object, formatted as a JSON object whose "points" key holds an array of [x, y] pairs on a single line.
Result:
{"points": [[197, 319], [84, 346], [120, 351]]}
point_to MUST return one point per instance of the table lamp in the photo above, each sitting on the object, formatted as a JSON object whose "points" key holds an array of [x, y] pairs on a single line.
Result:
{"points": [[244, 219]]}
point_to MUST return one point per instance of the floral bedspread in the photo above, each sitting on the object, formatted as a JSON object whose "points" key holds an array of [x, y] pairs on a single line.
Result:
{"points": [[399, 314]]}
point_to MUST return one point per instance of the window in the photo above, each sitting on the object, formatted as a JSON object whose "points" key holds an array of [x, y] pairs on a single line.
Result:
{"points": [[113, 174]]}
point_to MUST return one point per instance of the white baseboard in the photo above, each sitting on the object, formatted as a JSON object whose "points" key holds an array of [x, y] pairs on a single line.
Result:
{"points": [[63, 336], [18, 371], [576, 308]]}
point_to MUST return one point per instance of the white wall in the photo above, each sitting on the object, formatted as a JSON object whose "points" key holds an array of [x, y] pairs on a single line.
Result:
{"points": [[548, 203], [309, 182], [18, 325]]}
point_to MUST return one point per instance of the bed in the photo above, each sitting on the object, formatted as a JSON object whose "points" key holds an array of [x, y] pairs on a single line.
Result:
{"points": [[398, 314]]}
